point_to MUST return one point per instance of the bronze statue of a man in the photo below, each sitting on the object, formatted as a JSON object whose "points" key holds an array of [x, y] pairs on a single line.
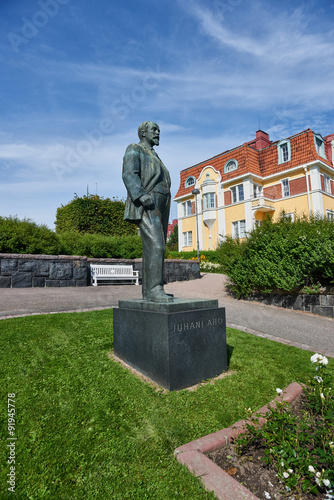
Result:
{"points": [[148, 183]]}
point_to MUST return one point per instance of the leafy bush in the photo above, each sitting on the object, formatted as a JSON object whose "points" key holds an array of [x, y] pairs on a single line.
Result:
{"points": [[27, 237], [94, 214], [100, 246], [285, 255]]}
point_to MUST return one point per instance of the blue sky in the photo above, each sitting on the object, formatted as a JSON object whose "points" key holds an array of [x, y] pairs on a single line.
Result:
{"points": [[78, 77]]}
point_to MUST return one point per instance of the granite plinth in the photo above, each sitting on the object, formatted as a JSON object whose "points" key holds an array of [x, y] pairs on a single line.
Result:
{"points": [[176, 344]]}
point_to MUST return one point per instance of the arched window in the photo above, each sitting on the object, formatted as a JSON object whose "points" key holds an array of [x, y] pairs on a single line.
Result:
{"points": [[190, 181], [230, 165]]}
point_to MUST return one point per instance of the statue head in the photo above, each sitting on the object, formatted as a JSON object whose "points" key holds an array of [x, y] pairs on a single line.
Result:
{"points": [[149, 132]]}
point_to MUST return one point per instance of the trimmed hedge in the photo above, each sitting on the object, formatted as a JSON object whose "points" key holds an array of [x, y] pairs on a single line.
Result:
{"points": [[27, 237]]}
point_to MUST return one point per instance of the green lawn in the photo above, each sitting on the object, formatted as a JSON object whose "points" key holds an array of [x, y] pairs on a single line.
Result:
{"points": [[86, 428]]}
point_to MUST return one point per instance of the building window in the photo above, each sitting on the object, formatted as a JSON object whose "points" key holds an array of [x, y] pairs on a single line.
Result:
{"points": [[209, 201], [327, 184], [284, 151], [187, 239], [257, 190], [186, 208], [230, 165], [330, 215], [237, 193], [239, 229], [319, 145], [190, 181], [285, 188], [289, 216]]}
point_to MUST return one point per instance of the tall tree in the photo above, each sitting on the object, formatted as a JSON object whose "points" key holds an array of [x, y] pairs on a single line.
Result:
{"points": [[94, 214]]}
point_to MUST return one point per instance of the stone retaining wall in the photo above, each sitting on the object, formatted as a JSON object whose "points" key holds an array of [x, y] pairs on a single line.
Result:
{"points": [[23, 270], [316, 304]]}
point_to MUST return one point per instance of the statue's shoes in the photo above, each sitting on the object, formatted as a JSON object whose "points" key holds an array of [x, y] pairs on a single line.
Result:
{"points": [[160, 296]]}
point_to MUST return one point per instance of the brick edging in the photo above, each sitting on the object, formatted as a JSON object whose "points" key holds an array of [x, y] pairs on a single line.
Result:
{"points": [[215, 479]]}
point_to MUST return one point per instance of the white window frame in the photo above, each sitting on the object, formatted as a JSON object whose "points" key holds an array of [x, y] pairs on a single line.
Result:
{"points": [[187, 238], [285, 188], [257, 190], [284, 151], [209, 201], [230, 166], [330, 215], [319, 145], [190, 181], [239, 229], [327, 184], [236, 193], [186, 208], [290, 216]]}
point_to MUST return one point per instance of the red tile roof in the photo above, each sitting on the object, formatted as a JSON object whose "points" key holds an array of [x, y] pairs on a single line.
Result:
{"points": [[261, 162]]}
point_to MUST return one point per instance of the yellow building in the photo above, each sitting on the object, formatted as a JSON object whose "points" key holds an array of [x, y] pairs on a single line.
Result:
{"points": [[233, 191]]}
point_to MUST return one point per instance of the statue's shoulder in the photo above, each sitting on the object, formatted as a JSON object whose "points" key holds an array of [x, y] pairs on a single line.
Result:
{"points": [[135, 148]]}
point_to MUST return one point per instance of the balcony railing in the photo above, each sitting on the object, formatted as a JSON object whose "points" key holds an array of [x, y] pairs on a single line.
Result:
{"points": [[263, 203]]}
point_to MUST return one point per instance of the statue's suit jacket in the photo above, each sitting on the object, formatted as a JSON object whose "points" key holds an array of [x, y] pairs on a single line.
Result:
{"points": [[141, 174]]}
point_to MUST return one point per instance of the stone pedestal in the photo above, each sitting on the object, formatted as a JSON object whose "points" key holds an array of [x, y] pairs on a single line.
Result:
{"points": [[177, 344]]}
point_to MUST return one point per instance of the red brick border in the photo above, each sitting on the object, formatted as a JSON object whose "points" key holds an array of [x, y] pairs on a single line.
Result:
{"points": [[192, 454]]}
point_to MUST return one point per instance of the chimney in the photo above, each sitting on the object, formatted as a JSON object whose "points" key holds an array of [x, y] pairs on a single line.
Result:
{"points": [[262, 140]]}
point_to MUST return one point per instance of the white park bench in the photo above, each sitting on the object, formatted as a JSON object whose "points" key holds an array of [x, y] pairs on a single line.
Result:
{"points": [[109, 272]]}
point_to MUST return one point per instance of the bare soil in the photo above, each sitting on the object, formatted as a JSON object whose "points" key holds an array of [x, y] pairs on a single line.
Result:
{"points": [[251, 471]]}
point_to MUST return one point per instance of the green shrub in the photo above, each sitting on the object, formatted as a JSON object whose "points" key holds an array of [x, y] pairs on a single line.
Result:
{"points": [[27, 237], [284, 255], [94, 214], [100, 246]]}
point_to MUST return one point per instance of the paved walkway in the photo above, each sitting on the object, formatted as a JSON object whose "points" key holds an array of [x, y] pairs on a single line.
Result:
{"points": [[303, 330]]}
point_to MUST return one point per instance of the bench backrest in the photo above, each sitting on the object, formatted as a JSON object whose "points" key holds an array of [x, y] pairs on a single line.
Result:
{"points": [[103, 270]]}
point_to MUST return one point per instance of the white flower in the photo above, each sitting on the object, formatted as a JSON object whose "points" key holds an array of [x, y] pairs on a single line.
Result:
{"points": [[279, 391], [290, 470], [311, 468], [282, 463], [317, 480], [286, 475], [326, 482], [331, 444], [322, 395], [266, 494], [319, 358], [318, 474], [318, 379]]}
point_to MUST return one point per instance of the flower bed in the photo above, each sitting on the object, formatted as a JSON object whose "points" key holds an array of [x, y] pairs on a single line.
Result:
{"points": [[298, 448]]}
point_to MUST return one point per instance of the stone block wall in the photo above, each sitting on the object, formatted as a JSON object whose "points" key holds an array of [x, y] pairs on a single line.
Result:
{"points": [[316, 304], [23, 270]]}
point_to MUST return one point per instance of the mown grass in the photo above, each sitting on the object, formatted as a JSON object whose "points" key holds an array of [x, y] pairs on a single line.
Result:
{"points": [[88, 429]]}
